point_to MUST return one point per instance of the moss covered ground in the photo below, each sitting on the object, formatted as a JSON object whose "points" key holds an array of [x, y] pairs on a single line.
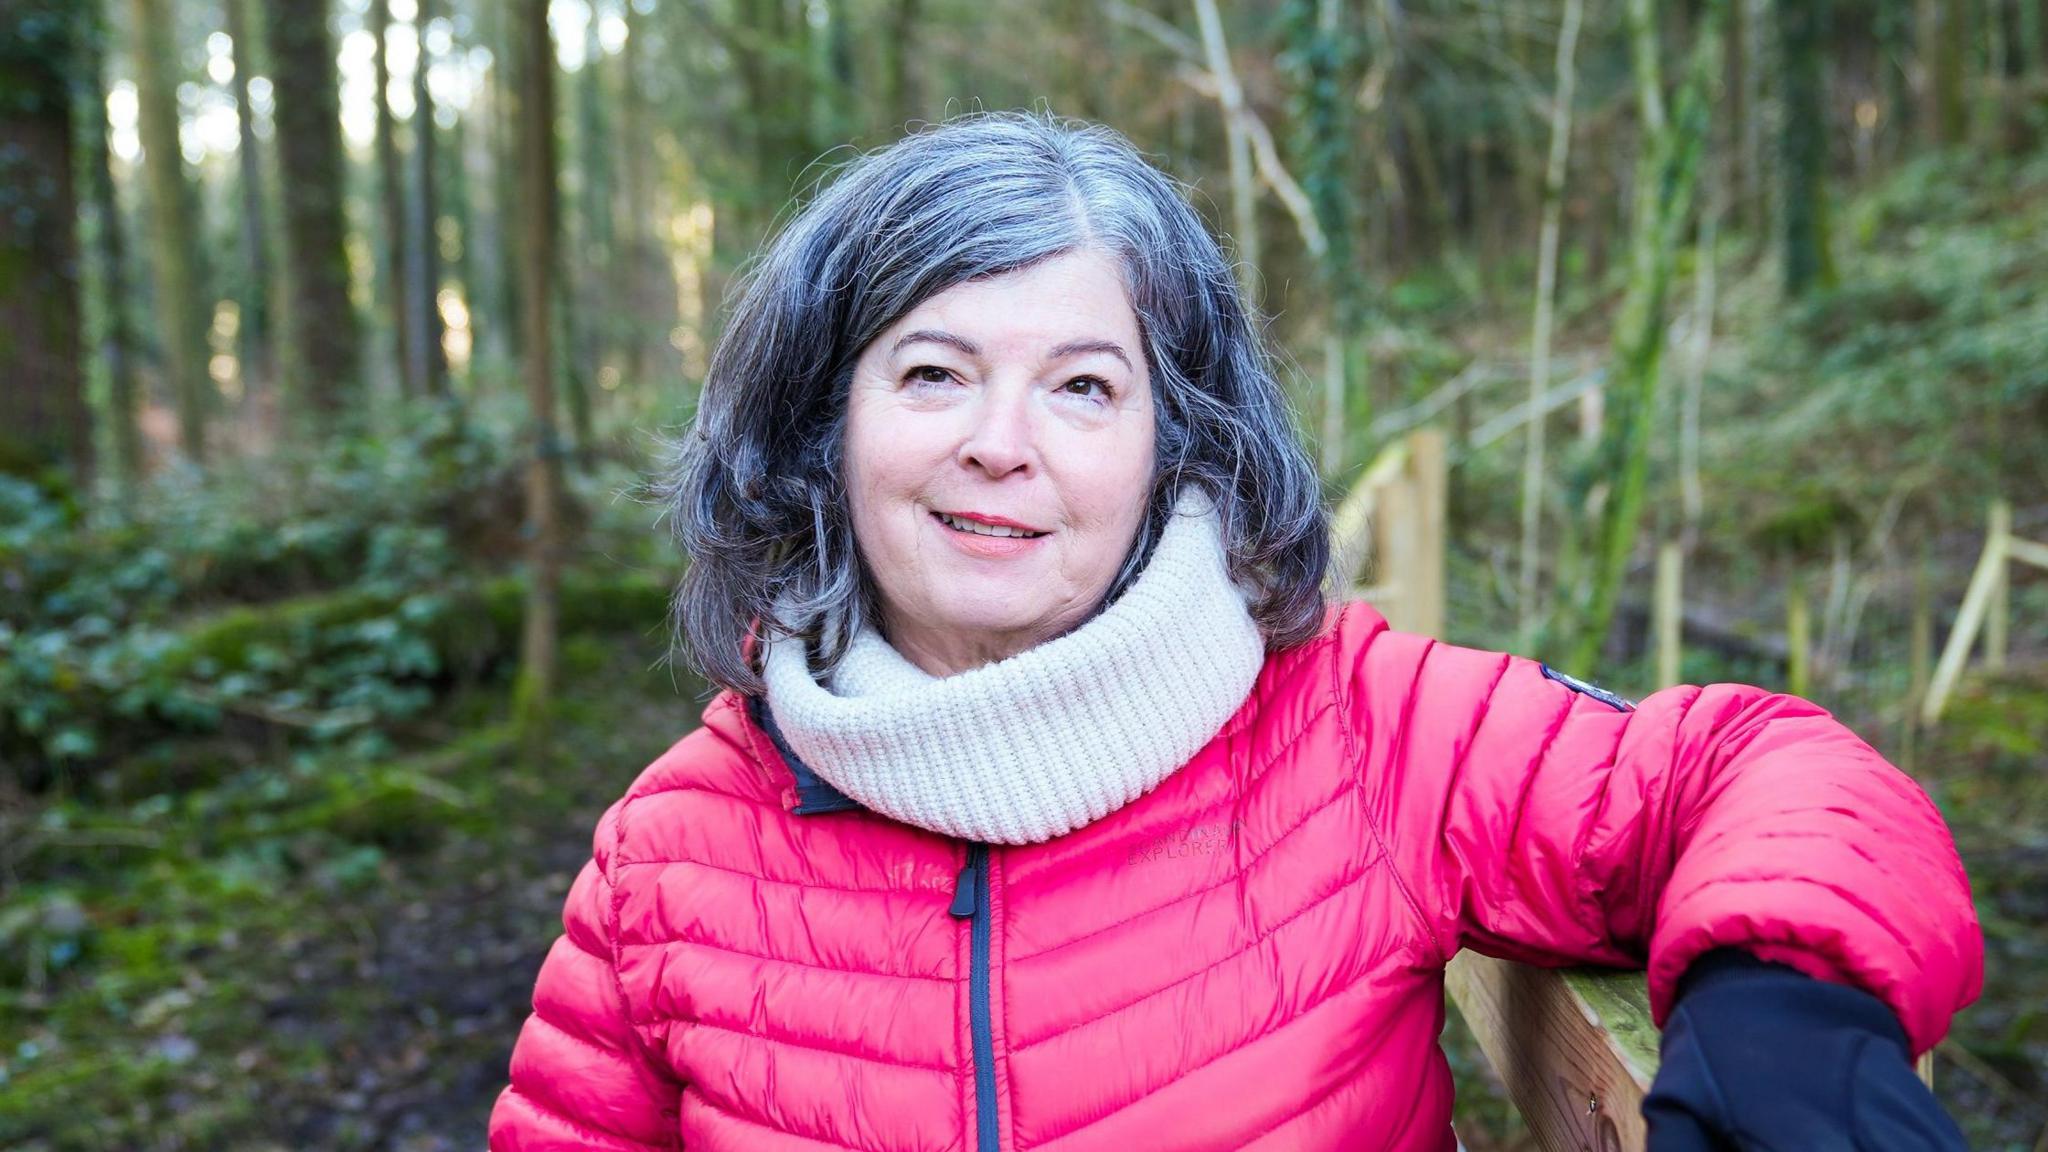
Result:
{"points": [[331, 952]]}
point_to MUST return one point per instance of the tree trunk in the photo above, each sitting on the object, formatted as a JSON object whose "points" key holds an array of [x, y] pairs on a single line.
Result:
{"points": [[1078, 77], [652, 311], [903, 99], [773, 50], [1692, 494], [835, 116], [1598, 225], [391, 278], [324, 331], [1751, 128], [534, 695], [573, 370], [44, 422], [1562, 96], [594, 314], [2030, 45], [254, 333], [1244, 207], [508, 101], [1735, 89], [1320, 47], [1666, 176], [486, 224], [110, 252], [454, 191], [2034, 31], [1944, 28], [1894, 35], [1990, 107], [173, 224], [423, 256], [1803, 147]]}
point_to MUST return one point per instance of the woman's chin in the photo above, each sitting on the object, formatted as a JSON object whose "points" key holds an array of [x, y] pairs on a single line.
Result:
{"points": [[995, 619], [974, 630]]}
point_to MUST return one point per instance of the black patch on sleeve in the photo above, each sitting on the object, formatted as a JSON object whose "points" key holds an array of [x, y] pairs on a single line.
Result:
{"points": [[1612, 700]]}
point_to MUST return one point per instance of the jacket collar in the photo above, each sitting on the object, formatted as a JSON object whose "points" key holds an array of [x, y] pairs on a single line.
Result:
{"points": [[814, 795]]}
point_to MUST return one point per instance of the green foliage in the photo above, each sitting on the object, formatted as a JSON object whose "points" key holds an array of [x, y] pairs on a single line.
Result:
{"points": [[1924, 373], [1984, 767], [1807, 519], [1322, 62], [338, 602]]}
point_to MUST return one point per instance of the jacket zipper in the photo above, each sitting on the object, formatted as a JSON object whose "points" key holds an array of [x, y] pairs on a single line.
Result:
{"points": [[970, 903]]}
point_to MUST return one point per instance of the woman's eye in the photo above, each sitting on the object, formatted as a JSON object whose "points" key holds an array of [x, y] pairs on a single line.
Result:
{"points": [[1087, 386], [928, 374]]}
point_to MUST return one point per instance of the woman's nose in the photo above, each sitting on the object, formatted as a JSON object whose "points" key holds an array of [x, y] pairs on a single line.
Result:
{"points": [[999, 441]]}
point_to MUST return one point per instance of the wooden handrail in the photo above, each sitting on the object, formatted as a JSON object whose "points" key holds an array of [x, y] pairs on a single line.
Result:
{"points": [[1575, 1047], [1394, 517]]}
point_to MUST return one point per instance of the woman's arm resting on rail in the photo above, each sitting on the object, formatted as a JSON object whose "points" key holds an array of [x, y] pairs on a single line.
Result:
{"points": [[1541, 823], [582, 1077]]}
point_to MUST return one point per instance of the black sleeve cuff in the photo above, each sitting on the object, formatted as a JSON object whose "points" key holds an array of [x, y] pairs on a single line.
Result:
{"points": [[1776, 998]]}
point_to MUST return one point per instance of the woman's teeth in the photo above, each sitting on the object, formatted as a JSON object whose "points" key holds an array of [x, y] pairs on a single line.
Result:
{"points": [[979, 529]]}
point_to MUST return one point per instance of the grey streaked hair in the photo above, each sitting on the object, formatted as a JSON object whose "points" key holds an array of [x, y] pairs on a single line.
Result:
{"points": [[756, 494]]}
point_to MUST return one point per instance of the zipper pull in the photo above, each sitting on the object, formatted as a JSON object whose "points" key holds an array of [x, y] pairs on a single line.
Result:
{"points": [[966, 892]]}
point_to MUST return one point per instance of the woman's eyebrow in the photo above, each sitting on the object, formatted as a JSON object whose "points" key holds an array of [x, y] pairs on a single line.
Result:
{"points": [[1074, 347], [936, 336]]}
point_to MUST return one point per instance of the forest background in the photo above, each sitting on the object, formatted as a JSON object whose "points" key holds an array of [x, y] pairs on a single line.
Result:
{"points": [[339, 342]]}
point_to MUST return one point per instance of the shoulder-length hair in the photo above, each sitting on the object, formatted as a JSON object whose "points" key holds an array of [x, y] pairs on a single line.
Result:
{"points": [[757, 498]]}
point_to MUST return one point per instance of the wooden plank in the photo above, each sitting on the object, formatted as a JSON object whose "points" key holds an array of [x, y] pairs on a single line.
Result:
{"points": [[1351, 525], [1575, 1047], [1429, 481], [1976, 602], [2027, 552]]}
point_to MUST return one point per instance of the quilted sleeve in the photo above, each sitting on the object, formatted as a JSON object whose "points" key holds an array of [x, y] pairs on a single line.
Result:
{"points": [[582, 1075], [1538, 821]]}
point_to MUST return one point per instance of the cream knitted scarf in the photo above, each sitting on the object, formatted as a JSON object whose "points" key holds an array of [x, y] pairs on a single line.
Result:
{"points": [[1053, 738]]}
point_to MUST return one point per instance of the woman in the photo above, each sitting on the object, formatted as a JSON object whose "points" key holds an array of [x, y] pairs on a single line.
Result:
{"points": [[1046, 804]]}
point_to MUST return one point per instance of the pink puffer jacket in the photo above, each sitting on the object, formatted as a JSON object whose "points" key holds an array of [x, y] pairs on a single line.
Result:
{"points": [[1249, 957]]}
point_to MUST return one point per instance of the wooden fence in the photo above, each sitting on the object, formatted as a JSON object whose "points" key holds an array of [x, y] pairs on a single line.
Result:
{"points": [[1575, 1047]]}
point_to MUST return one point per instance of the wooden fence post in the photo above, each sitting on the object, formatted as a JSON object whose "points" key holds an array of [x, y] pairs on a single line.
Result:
{"points": [[2001, 596], [1670, 577], [1395, 515], [1795, 636], [1919, 658], [1427, 471]]}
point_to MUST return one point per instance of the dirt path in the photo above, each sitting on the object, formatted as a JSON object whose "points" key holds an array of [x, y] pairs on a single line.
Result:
{"points": [[426, 1011]]}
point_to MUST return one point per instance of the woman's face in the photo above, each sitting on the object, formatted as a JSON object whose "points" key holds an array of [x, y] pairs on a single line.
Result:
{"points": [[999, 446]]}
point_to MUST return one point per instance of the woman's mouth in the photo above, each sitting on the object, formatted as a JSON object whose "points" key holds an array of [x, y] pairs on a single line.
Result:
{"points": [[966, 524]]}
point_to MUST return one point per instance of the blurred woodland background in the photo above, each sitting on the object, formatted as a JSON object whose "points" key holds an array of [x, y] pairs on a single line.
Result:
{"points": [[338, 341]]}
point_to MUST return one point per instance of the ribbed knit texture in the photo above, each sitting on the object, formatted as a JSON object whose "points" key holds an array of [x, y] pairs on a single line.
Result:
{"points": [[1053, 738]]}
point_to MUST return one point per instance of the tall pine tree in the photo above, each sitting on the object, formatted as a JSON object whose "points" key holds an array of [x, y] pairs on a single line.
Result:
{"points": [[324, 329], [173, 222], [43, 418]]}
